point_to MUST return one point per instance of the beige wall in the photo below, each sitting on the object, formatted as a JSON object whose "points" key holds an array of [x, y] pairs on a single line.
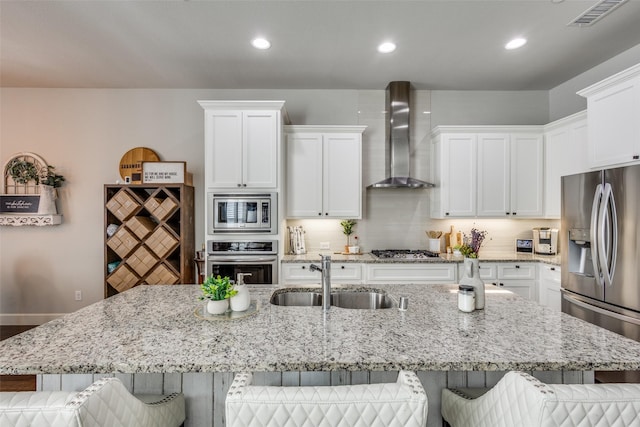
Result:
{"points": [[85, 132]]}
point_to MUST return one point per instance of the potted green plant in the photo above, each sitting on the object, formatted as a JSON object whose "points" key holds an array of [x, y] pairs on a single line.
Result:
{"points": [[347, 229], [217, 290]]}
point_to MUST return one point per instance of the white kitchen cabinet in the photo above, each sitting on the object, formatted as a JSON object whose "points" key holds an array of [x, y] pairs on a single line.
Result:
{"points": [[487, 171], [324, 171], [526, 185], [348, 273], [242, 143], [488, 271], [403, 273], [519, 278], [613, 106], [565, 153], [454, 168], [550, 286]]}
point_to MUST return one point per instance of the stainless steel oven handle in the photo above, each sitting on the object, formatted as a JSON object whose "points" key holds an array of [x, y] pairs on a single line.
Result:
{"points": [[242, 258], [599, 310]]}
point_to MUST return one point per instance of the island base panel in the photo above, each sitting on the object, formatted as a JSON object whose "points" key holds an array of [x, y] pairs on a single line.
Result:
{"points": [[205, 392]]}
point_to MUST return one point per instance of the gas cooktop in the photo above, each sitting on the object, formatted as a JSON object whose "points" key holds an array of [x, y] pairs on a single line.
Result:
{"points": [[404, 253]]}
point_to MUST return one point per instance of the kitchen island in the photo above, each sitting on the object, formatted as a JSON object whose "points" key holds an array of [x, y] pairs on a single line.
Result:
{"points": [[151, 337]]}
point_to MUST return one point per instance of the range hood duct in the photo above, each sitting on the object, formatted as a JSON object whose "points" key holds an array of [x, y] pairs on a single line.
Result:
{"points": [[397, 154]]}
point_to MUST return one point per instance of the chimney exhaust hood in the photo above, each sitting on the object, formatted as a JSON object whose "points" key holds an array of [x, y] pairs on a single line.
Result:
{"points": [[397, 139]]}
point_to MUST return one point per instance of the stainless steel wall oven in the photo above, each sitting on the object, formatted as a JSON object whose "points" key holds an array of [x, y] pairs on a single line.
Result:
{"points": [[257, 257]]}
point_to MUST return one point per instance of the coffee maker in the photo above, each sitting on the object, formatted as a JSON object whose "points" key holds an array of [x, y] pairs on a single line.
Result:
{"points": [[545, 240]]}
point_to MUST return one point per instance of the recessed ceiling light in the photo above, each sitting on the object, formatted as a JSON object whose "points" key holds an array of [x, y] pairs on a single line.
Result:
{"points": [[386, 47], [260, 43], [515, 43]]}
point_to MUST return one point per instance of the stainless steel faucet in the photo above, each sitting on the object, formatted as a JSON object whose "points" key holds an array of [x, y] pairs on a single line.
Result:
{"points": [[326, 280]]}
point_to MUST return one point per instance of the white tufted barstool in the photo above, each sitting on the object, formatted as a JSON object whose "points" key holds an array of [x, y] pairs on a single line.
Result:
{"points": [[519, 399], [106, 402], [399, 404]]}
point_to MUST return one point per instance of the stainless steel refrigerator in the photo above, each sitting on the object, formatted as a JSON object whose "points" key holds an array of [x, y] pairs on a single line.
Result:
{"points": [[600, 248]]}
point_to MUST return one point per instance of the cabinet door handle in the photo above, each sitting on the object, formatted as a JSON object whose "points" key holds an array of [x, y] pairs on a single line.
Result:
{"points": [[244, 185], [326, 213], [517, 266], [342, 267], [303, 267], [239, 185], [446, 213], [507, 213], [552, 269], [636, 157], [513, 213], [320, 213]]}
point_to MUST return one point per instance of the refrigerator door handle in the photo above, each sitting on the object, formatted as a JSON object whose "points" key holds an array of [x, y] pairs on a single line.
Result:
{"points": [[599, 310], [607, 243], [597, 197]]}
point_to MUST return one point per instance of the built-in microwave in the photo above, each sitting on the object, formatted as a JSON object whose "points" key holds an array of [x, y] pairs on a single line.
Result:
{"points": [[242, 213]]}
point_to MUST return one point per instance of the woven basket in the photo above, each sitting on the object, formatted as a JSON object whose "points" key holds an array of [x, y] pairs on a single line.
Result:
{"points": [[122, 278], [142, 260], [122, 205], [123, 242], [161, 242], [161, 275], [141, 226], [160, 208]]}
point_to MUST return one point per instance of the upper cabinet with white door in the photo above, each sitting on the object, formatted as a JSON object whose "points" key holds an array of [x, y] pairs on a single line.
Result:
{"points": [[487, 171], [613, 105], [324, 171], [242, 143], [565, 153]]}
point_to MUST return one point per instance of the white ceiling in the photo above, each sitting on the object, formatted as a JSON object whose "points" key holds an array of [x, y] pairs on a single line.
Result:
{"points": [[445, 44]]}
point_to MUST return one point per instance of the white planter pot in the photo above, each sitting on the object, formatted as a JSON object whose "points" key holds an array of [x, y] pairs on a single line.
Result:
{"points": [[218, 307], [48, 198]]}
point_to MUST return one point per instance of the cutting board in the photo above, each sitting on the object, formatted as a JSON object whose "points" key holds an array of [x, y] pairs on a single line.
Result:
{"points": [[131, 163]]}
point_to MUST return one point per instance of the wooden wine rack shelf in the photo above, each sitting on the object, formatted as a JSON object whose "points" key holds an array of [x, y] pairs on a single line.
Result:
{"points": [[151, 237]]}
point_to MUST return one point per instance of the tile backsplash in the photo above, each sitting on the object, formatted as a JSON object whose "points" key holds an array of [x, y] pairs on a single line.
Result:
{"points": [[410, 233]]}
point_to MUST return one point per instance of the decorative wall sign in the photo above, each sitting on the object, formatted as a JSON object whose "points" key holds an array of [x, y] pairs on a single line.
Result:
{"points": [[19, 203], [164, 172], [131, 163]]}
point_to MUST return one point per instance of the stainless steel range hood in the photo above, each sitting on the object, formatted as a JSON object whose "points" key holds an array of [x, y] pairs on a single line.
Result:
{"points": [[397, 139]]}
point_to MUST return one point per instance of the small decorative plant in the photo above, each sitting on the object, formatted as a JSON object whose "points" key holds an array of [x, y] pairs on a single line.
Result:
{"points": [[49, 177], [23, 171], [216, 288], [471, 244], [347, 228]]}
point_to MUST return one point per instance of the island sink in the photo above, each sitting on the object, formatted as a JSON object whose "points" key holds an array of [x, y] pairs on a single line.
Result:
{"points": [[360, 299]]}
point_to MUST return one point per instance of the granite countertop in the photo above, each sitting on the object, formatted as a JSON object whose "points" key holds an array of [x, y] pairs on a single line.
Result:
{"points": [[367, 258], [155, 329]]}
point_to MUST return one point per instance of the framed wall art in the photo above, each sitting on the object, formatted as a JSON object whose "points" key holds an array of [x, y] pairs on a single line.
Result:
{"points": [[164, 172]]}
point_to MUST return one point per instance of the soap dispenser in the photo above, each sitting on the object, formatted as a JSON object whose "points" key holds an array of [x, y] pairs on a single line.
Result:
{"points": [[242, 300]]}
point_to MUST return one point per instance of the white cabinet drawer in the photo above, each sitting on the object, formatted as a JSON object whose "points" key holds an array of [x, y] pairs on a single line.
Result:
{"points": [[411, 273], [348, 273], [517, 271], [524, 288], [550, 273], [488, 271]]}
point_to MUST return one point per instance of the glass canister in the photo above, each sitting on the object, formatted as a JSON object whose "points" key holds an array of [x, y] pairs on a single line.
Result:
{"points": [[466, 298]]}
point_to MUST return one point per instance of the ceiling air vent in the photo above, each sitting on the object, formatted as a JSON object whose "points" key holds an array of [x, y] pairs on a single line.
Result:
{"points": [[595, 13]]}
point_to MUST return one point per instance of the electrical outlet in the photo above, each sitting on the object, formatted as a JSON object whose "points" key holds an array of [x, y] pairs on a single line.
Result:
{"points": [[324, 245], [78, 295]]}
